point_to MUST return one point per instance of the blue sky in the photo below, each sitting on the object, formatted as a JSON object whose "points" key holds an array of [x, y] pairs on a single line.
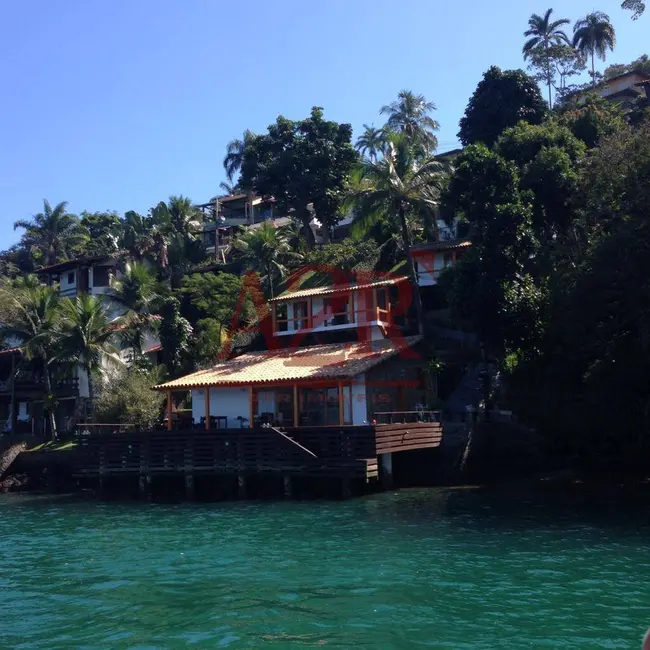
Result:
{"points": [[117, 104]]}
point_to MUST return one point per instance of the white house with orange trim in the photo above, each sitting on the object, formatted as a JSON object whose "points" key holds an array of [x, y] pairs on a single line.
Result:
{"points": [[338, 356], [434, 257]]}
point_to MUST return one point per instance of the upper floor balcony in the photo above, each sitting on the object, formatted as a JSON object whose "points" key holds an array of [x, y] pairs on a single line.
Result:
{"points": [[433, 258], [380, 303]]}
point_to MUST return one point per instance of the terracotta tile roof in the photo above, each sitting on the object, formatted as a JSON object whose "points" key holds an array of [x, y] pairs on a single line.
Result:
{"points": [[442, 245], [316, 362], [332, 289], [17, 350]]}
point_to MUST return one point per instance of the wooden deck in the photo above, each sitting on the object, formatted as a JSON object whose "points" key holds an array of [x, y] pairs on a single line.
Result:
{"points": [[349, 452]]}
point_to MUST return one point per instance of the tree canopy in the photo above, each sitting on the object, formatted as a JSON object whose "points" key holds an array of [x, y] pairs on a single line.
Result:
{"points": [[501, 99], [298, 163]]}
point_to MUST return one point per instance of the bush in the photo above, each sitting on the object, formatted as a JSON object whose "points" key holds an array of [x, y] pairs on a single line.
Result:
{"points": [[127, 398]]}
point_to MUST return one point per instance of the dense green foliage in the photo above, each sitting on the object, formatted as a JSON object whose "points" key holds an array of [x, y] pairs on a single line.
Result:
{"points": [[128, 398], [301, 163], [501, 99], [555, 284]]}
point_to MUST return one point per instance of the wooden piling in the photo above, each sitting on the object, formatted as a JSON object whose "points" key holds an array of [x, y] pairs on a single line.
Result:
{"points": [[241, 486], [288, 487]]}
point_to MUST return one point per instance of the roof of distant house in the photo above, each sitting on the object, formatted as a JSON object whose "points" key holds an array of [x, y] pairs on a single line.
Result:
{"points": [[70, 264], [601, 84], [452, 244], [314, 363], [8, 351], [331, 289]]}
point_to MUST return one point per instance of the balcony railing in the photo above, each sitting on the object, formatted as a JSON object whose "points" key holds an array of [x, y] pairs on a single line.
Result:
{"points": [[332, 319], [34, 380]]}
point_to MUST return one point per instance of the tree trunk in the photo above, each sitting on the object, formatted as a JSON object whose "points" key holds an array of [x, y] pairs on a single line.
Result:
{"points": [[269, 275], [50, 399], [406, 236], [593, 69], [305, 218]]}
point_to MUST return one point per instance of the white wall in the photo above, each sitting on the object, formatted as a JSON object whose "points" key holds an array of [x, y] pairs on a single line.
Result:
{"points": [[359, 400], [68, 288], [230, 402], [426, 277], [22, 414]]}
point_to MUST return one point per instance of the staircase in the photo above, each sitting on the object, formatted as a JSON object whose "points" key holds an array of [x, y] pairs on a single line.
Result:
{"points": [[469, 391]]}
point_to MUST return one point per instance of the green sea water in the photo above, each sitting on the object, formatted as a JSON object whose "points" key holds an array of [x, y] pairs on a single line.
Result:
{"points": [[415, 569]]}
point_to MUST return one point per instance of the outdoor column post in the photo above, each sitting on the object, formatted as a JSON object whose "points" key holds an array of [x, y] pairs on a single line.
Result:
{"points": [[341, 411], [207, 408], [250, 407], [296, 410], [169, 410]]}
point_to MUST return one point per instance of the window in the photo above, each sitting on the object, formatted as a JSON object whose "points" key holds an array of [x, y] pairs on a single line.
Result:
{"points": [[336, 311], [320, 406], [101, 276], [448, 260], [71, 277], [299, 315], [281, 324]]}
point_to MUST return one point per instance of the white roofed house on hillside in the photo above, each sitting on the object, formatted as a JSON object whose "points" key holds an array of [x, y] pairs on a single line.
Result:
{"points": [[21, 400], [623, 89]]}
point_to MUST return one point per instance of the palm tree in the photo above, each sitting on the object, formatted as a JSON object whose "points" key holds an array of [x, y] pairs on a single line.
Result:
{"points": [[371, 141], [32, 318], [400, 187], [594, 35], [86, 336], [543, 34], [175, 228], [177, 216], [410, 115], [136, 291], [52, 234], [266, 250], [235, 154], [137, 237], [228, 188]]}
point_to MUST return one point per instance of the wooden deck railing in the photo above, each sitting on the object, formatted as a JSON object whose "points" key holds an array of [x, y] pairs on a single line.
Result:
{"points": [[390, 417]]}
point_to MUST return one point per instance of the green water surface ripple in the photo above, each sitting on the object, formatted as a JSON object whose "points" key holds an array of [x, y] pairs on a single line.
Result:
{"points": [[427, 568]]}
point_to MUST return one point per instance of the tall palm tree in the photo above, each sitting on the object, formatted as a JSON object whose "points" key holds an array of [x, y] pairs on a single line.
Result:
{"points": [[400, 187], [136, 292], [266, 250], [52, 234], [410, 115], [234, 158], [32, 318], [370, 142], [594, 35], [87, 335], [544, 33]]}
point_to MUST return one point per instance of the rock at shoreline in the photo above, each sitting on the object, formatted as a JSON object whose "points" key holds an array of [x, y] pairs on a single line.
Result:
{"points": [[13, 483]]}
